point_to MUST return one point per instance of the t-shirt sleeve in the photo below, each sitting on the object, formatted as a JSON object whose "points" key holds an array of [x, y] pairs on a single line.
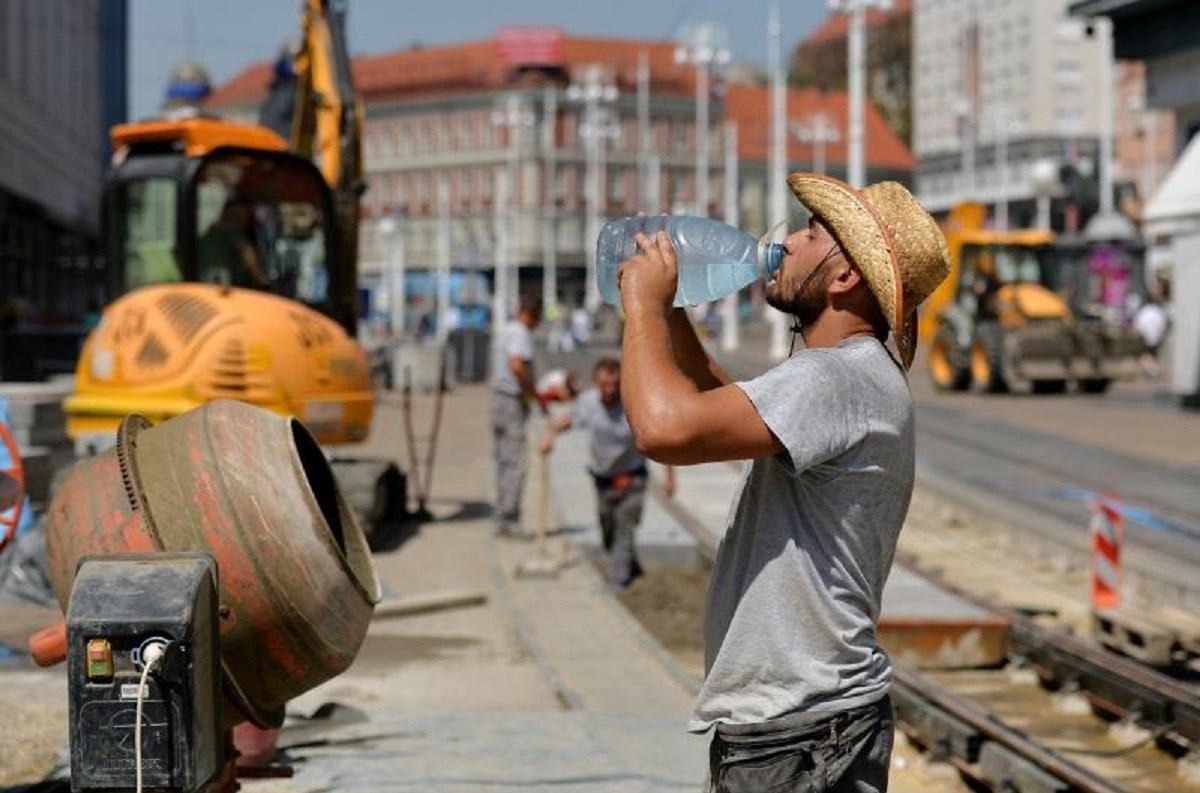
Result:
{"points": [[519, 343], [583, 411], [805, 404]]}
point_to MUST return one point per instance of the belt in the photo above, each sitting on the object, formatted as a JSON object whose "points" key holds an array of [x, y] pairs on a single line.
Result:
{"points": [[621, 481]]}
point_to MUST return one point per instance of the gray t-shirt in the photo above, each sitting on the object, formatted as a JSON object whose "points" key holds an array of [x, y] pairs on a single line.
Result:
{"points": [[798, 580], [514, 339], [610, 439]]}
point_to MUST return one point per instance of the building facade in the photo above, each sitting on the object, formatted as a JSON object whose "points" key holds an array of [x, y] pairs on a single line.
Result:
{"points": [[59, 89], [522, 145], [820, 61], [997, 87]]}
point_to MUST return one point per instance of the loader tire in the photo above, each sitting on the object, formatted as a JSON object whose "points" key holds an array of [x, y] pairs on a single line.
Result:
{"points": [[1094, 385], [987, 359], [1049, 386], [947, 369]]}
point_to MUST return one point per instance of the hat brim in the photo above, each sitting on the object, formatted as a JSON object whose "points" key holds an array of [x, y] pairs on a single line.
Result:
{"points": [[866, 240]]}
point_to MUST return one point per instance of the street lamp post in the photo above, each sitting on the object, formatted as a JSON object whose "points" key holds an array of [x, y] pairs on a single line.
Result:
{"points": [[550, 210], [443, 262], [512, 117], [778, 115], [816, 131], [391, 237], [729, 306], [594, 86], [702, 46], [856, 69]]}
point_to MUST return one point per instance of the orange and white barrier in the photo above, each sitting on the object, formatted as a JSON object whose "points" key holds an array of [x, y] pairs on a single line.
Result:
{"points": [[1108, 533]]}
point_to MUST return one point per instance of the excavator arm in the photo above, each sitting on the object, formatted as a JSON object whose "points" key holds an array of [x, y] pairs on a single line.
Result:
{"points": [[314, 104]]}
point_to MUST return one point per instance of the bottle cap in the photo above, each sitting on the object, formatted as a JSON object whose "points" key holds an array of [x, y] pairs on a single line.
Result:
{"points": [[770, 256]]}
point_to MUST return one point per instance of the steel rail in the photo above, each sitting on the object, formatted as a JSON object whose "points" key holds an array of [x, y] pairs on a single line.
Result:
{"points": [[913, 688]]}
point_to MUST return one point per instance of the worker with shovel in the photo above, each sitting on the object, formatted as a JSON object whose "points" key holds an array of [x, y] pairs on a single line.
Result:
{"points": [[617, 468]]}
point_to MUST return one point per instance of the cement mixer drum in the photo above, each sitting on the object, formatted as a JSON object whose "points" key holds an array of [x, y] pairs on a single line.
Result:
{"points": [[254, 490]]}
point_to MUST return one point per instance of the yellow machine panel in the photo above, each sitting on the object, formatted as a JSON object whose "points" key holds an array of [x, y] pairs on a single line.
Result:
{"points": [[163, 350]]}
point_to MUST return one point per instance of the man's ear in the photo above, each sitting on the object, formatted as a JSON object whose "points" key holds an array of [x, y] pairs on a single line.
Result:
{"points": [[845, 279]]}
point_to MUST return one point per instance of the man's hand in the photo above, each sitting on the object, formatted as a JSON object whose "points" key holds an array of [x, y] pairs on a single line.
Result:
{"points": [[546, 445], [651, 277]]}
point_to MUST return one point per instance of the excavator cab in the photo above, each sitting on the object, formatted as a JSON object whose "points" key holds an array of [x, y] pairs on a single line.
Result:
{"points": [[239, 217]]}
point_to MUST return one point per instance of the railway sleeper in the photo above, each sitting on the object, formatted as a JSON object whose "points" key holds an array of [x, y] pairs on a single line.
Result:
{"points": [[1160, 639], [1007, 770], [1133, 634]]}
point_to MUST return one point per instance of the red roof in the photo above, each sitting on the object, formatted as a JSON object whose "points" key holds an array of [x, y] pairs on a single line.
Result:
{"points": [[749, 106], [481, 66], [478, 65], [837, 25]]}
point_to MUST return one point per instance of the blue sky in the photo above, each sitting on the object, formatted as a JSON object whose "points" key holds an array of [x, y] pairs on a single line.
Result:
{"points": [[227, 35]]}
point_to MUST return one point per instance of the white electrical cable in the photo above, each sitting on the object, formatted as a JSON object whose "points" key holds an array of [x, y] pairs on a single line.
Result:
{"points": [[151, 655]]}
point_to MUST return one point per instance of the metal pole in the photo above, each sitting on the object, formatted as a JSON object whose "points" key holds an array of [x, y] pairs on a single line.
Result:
{"points": [[1043, 212], [550, 213], [592, 175], [499, 293], [443, 294], [654, 182], [1103, 28], [1002, 175], [819, 146], [729, 306], [856, 68], [513, 237], [643, 116], [702, 137], [401, 287], [970, 65], [778, 175]]}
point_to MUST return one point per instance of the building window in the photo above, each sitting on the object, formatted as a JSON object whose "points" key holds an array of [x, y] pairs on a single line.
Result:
{"points": [[404, 138], [1068, 74], [466, 131], [679, 136]]}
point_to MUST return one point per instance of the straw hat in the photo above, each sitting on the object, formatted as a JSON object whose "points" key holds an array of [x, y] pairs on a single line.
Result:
{"points": [[890, 237]]}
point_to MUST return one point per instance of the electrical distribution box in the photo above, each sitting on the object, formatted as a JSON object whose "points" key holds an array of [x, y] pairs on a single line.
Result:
{"points": [[119, 606]]}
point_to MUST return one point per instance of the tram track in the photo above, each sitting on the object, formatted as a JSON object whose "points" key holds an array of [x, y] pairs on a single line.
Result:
{"points": [[1063, 714]]}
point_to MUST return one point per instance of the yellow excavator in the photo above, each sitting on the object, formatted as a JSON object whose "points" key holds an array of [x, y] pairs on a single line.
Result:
{"points": [[234, 250], [998, 322]]}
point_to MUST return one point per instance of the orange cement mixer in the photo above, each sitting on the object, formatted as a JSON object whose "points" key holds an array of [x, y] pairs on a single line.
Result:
{"points": [[255, 491]]}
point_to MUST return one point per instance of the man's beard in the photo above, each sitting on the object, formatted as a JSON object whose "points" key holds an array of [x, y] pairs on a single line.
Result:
{"points": [[806, 303]]}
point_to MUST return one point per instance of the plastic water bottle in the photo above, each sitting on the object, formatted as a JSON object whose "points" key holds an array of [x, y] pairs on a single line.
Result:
{"points": [[714, 259]]}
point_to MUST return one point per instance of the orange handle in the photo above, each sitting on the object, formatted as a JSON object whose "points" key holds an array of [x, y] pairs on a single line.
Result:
{"points": [[49, 645]]}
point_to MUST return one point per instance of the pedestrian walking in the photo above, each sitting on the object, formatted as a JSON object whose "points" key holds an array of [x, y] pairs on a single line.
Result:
{"points": [[1151, 322], [796, 685], [617, 468], [513, 393]]}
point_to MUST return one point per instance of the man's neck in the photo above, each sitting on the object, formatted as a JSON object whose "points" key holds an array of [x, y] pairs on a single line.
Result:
{"points": [[833, 327]]}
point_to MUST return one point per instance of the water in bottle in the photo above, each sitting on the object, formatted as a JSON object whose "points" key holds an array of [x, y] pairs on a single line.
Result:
{"points": [[714, 259]]}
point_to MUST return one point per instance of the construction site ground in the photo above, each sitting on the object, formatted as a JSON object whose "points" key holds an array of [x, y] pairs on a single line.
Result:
{"points": [[548, 682]]}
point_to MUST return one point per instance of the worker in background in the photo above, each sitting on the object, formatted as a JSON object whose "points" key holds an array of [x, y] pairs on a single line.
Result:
{"points": [[228, 252], [796, 685], [513, 394], [616, 466]]}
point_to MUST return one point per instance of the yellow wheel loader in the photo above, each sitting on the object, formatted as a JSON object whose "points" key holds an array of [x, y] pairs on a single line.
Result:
{"points": [[997, 322]]}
